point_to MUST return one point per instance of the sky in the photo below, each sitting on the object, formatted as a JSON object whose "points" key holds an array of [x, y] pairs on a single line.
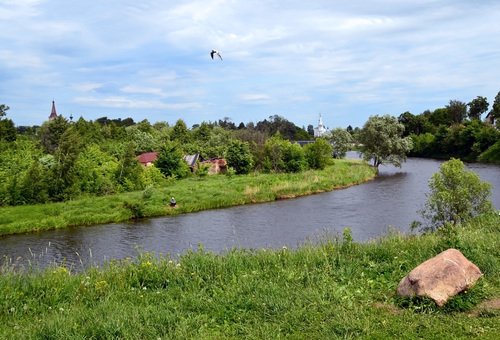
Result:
{"points": [[345, 60]]}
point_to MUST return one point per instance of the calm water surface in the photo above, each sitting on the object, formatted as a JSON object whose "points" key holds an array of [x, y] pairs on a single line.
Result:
{"points": [[391, 201]]}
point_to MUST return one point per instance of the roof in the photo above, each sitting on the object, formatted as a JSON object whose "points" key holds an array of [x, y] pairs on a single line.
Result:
{"points": [[191, 159], [147, 157]]}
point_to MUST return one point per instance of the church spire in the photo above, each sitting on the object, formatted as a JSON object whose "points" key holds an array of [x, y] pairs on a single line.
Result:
{"points": [[53, 113]]}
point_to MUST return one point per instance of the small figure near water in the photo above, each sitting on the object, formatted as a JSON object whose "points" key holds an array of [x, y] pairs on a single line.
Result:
{"points": [[173, 203]]}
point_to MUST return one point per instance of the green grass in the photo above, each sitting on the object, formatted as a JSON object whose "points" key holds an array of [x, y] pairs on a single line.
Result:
{"points": [[336, 289], [192, 194]]}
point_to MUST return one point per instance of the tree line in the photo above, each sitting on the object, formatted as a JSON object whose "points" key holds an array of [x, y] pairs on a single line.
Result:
{"points": [[62, 160], [457, 130]]}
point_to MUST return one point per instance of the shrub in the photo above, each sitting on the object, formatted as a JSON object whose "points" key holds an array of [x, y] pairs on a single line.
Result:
{"points": [[456, 195]]}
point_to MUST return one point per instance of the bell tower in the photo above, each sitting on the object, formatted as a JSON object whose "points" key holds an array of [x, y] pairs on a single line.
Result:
{"points": [[53, 113]]}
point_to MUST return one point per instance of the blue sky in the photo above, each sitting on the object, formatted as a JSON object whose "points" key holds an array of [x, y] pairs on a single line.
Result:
{"points": [[146, 59]]}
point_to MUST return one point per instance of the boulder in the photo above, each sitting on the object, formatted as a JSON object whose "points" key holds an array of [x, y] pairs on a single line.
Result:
{"points": [[440, 277]]}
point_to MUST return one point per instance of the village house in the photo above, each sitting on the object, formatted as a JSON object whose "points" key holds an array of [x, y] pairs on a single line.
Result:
{"points": [[215, 165]]}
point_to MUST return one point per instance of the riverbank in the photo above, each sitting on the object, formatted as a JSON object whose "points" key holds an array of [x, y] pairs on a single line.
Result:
{"points": [[192, 194], [337, 289]]}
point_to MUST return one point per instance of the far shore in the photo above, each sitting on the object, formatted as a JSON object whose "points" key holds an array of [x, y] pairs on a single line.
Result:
{"points": [[192, 194]]}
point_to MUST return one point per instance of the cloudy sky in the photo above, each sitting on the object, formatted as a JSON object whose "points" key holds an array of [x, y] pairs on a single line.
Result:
{"points": [[150, 59]]}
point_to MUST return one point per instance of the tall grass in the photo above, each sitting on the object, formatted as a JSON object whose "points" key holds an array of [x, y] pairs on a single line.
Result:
{"points": [[337, 289], [192, 194]]}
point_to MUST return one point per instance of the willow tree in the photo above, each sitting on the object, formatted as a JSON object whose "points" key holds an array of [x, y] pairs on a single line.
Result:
{"points": [[383, 142]]}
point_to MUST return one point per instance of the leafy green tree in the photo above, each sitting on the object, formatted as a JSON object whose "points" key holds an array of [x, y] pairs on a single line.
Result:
{"points": [[318, 154], [7, 128], [341, 141], [15, 161], [95, 171], [477, 107], [51, 133], [414, 124], [274, 150], [423, 145], [128, 173], [180, 132], [382, 141], [294, 158], [457, 111], [170, 161], [3, 110], [239, 157], [64, 174], [495, 110], [456, 195]]}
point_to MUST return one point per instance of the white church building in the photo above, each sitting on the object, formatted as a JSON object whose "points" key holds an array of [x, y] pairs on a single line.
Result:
{"points": [[320, 130]]}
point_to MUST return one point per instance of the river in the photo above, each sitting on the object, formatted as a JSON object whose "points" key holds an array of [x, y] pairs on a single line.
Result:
{"points": [[370, 210]]}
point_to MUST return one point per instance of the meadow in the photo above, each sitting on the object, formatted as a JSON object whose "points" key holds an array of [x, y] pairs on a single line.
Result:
{"points": [[192, 194], [334, 289]]}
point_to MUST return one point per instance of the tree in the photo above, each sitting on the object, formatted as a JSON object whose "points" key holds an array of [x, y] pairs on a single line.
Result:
{"points": [[495, 110], [457, 111], [294, 158], [318, 154], [7, 128], [180, 132], [239, 157], [477, 107], [170, 161], [456, 195], [51, 133], [382, 141], [341, 141], [3, 110], [310, 130]]}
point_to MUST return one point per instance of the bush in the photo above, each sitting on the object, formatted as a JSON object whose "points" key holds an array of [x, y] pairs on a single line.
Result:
{"points": [[456, 195]]}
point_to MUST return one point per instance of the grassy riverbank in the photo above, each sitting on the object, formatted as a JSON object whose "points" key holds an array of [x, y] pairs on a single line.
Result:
{"points": [[338, 289], [192, 194]]}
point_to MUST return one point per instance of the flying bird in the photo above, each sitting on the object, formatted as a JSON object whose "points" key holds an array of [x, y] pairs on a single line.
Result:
{"points": [[215, 52]]}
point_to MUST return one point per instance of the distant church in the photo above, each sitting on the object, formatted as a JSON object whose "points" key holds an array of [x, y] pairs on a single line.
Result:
{"points": [[53, 113], [320, 130]]}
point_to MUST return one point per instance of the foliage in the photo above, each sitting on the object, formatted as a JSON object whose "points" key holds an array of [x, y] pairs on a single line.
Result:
{"points": [[477, 107], [492, 154], [382, 141], [3, 110], [341, 141], [457, 111], [51, 133], [170, 161], [423, 144], [456, 195], [192, 194], [239, 157], [318, 154], [294, 158], [95, 171]]}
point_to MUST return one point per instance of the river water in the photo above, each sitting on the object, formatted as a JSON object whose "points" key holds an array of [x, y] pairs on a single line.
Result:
{"points": [[370, 210]]}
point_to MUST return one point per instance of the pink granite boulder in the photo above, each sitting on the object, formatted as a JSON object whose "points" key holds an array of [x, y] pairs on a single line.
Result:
{"points": [[440, 277]]}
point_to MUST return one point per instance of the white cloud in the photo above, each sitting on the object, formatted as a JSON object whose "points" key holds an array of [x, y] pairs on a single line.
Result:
{"points": [[127, 103], [255, 97], [286, 57]]}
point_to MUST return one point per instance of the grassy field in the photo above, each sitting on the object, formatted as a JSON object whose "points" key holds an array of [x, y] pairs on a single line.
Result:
{"points": [[336, 289], [192, 194]]}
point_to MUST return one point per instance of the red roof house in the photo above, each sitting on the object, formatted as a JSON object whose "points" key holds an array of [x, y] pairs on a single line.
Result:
{"points": [[147, 158]]}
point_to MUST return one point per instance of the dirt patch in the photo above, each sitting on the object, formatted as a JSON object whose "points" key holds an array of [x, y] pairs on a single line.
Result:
{"points": [[387, 307], [485, 307]]}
